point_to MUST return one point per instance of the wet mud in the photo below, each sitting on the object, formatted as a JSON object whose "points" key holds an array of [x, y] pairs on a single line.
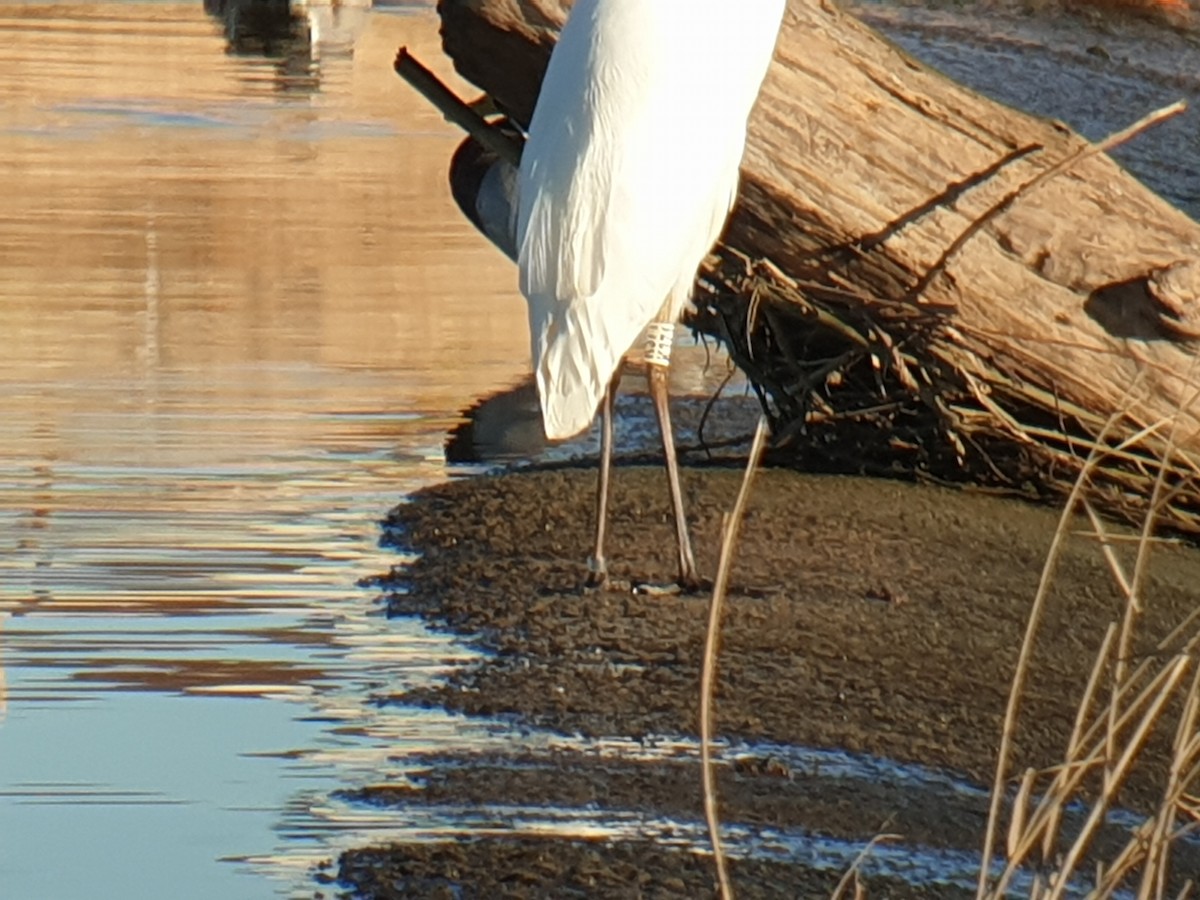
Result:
{"points": [[868, 640], [876, 618]]}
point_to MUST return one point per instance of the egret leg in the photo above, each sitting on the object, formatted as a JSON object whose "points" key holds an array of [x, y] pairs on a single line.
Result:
{"points": [[597, 564], [657, 373]]}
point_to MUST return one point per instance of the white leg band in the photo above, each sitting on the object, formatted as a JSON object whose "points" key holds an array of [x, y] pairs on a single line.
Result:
{"points": [[659, 337]]}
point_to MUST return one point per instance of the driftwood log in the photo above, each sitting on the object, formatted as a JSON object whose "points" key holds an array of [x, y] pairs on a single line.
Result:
{"points": [[904, 295]]}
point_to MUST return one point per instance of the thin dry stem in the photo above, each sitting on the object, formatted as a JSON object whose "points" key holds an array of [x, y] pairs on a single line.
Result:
{"points": [[1022, 669], [1117, 777], [1069, 776], [729, 533], [1113, 140], [1106, 547], [1115, 737], [1141, 562], [1017, 824], [851, 874], [1183, 749]]}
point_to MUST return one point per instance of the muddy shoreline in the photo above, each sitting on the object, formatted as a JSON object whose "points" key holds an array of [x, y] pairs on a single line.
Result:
{"points": [[874, 617], [868, 642]]}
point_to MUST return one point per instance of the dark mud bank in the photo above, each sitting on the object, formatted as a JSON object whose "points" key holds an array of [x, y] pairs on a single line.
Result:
{"points": [[876, 618]]}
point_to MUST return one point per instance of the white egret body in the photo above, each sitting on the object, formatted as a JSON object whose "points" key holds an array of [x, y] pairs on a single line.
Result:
{"points": [[627, 178]]}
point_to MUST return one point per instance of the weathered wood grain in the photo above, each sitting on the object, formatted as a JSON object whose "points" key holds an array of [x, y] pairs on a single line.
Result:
{"points": [[999, 364]]}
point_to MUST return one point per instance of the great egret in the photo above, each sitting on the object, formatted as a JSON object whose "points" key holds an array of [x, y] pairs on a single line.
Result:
{"points": [[629, 171]]}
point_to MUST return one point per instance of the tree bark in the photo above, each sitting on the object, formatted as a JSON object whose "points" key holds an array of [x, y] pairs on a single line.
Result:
{"points": [[895, 314]]}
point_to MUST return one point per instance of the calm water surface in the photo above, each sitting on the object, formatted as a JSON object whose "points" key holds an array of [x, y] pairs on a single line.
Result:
{"points": [[237, 315]]}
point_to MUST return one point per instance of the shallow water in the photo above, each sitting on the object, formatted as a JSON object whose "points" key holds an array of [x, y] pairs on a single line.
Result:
{"points": [[238, 314]]}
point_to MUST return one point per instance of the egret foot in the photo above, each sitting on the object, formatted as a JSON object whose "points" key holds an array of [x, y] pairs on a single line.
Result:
{"points": [[692, 587], [597, 576], [598, 579], [651, 589]]}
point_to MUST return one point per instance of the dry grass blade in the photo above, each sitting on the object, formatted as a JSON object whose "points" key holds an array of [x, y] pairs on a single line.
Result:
{"points": [[1022, 669], [1140, 566], [1090, 755], [1056, 796], [851, 873], [1016, 826], [1117, 777], [1111, 738], [729, 532], [1044, 822], [1106, 547], [1183, 750]]}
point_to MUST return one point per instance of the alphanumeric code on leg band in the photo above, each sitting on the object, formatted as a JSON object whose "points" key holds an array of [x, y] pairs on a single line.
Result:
{"points": [[659, 337]]}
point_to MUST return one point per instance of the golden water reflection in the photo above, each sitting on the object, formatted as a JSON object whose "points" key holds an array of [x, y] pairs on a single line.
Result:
{"points": [[238, 314], [201, 278]]}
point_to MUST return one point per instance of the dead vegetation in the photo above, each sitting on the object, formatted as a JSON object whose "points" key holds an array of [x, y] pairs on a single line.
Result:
{"points": [[1049, 355], [922, 282], [1128, 697], [1132, 694]]}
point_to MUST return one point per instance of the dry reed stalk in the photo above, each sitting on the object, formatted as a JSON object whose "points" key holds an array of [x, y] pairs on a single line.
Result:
{"points": [[1145, 123], [1106, 541], [1183, 750], [730, 524], [1097, 451], [1069, 776], [1137, 702], [1132, 586], [1024, 830], [1017, 822], [1026, 652], [1044, 822], [851, 873], [1116, 777]]}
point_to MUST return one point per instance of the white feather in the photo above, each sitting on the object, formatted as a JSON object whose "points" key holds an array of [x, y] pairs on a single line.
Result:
{"points": [[627, 177]]}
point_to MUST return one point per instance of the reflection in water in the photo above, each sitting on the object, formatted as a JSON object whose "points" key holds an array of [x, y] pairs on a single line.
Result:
{"points": [[3, 677], [502, 427], [236, 324], [237, 321], [715, 415], [296, 34], [264, 27]]}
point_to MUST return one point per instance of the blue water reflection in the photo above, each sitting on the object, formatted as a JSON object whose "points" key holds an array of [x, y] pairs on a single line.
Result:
{"points": [[238, 314], [236, 321], [137, 794]]}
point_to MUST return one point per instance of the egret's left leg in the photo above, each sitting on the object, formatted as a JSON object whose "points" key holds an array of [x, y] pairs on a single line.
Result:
{"points": [[597, 565], [658, 363]]}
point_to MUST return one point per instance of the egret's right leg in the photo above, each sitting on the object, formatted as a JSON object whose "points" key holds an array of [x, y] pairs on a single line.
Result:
{"points": [[658, 367]]}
